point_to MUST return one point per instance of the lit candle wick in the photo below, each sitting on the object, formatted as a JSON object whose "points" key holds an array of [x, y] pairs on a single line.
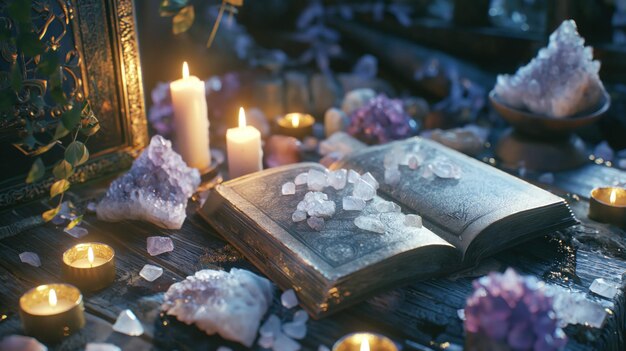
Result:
{"points": [[185, 70], [90, 257], [242, 118], [295, 121], [52, 298], [613, 196]]}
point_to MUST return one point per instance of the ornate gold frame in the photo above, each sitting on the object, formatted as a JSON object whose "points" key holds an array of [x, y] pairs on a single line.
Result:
{"points": [[98, 23]]}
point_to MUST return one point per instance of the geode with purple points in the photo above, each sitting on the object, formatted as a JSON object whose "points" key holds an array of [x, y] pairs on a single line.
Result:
{"points": [[381, 120], [155, 189], [510, 312]]}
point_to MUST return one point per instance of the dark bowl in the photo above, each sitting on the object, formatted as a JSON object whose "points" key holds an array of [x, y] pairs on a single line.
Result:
{"points": [[544, 126]]}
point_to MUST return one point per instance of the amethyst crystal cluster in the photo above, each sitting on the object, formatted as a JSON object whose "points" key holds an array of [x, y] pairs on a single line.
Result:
{"points": [[508, 309], [381, 120]]}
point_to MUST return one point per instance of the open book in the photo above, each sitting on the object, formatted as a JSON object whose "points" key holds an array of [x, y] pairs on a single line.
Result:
{"points": [[484, 211]]}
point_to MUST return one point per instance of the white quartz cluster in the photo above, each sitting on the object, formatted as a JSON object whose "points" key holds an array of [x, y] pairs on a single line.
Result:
{"points": [[561, 81], [228, 303], [415, 158]]}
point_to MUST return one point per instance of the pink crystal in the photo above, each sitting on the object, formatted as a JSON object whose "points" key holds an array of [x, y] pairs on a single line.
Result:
{"points": [[159, 244]]}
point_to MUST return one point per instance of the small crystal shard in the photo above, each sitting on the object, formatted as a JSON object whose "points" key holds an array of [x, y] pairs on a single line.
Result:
{"points": [[413, 162], [77, 232], [351, 203], [338, 178], [369, 223], [604, 288], [353, 176], [288, 188], [30, 258], [92, 206], [316, 180], [21, 343], [300, 316], [298, 216], [301, 178], [285, 343], [386, 206], [574, 308], [546, 178], [127, 323], [315, 223], [266, 342], [228, 303], [289, 299], [392, 176], [150, 272], [413, 220], [99, 346], [159, 244], [444, 168], [295, 330], [363, 190], [271, 326], [323, 209], [369, 178], [156, 188]]}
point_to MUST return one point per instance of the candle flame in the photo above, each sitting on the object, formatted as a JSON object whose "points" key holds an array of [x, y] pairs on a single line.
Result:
{"points": [[613, 196], [365, 344], [90, 257], [52, 298], [242, 118], [295, 121], [185, 70]]}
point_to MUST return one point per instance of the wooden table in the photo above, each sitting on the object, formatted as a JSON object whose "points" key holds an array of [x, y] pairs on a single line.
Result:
{"points": [[420, 316]]}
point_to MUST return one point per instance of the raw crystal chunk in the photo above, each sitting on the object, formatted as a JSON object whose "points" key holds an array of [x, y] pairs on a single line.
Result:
{"points": [[413, 161], [150, 272], [266, 342], [574, 308], [413, 220], [338, 178], [386, 206], [128, 324], [295, 330], [315, 196], [546, 178], [301, 178], [300, 316], [271, 326], [21, 343], [316, 180], [30, 258], [92, 206], [393, 158], [230, 304], [369, 178], [603, 288], [561, 81], [363, 190], [370, 223], [288, 188], [285, 343], [77, 232], [392, 176], [99, 346], [353, 176], [315, 223], [155, 189], [159, 244], [444, 168], [298, 216], [323, 209], [351, 203], [289, 299]]}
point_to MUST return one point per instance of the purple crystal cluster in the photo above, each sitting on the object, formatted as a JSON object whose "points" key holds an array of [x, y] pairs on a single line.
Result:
{"points": [[381, 120], [513, 310]]}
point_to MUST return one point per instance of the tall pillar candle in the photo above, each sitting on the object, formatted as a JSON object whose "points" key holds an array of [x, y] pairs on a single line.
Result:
{"points": [[191, 122], [243, 145]]}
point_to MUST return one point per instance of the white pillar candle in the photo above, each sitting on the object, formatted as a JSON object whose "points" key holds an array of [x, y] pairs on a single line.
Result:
{"points": [[191, 122], [243, 145]]}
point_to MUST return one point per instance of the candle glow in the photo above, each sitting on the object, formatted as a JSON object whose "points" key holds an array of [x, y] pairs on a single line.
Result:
{"points": [[295, 121], [90, 257], [613, 196], [52, 298], [185, 70], [365, 344], [242, 118]]}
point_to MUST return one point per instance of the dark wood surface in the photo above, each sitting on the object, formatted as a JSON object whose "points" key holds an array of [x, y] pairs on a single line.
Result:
{"points": [[422, 315]]}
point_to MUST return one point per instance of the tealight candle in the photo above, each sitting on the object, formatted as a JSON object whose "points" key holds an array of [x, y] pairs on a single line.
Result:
{"points": [[365, 342], [243, 145], [608, 205], [297, 125], [52, 311], [90, 266]]}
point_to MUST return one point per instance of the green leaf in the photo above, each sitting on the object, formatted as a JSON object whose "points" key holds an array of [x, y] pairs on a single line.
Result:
{"points": [[56, 87], [171, 7], [48, 215], [63, 170], [48, 64], [74, 222], [58, 187], [76, 153], [19, 10], [7, 99], [16, 78], [29, 44], [71, 117], [37, 171], [43, 149], [183, 20], [60, 132]]}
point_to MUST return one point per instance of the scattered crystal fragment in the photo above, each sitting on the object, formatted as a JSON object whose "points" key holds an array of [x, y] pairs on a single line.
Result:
{"points": [[300, 316], [271, 326], [369, 178], [413, 220], [21, 343], [393, 158], [301, 178], [386, 206], [288, 188], [413, 161], [323, 209], [266, 342], [298, 216], [546, 178], [127, 323], [604, 288], [461, 314], [363, 190], [315, 223], [444, 168], [316, 180], [323, 348], [295, 330], [100, 346], [228, 303], [289, 299], [285, 343], [92, 206], [315, 196], [351, 203], [353, 176], [156, 188], [392, 176], [369, 223], [77, 232], [574, 308], [159, 244], [224, 348], [30, 258], [338, 178], [150, 272]]}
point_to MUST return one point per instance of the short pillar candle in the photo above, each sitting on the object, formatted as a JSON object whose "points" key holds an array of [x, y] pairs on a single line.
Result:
{"points": [[90, 266]]}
